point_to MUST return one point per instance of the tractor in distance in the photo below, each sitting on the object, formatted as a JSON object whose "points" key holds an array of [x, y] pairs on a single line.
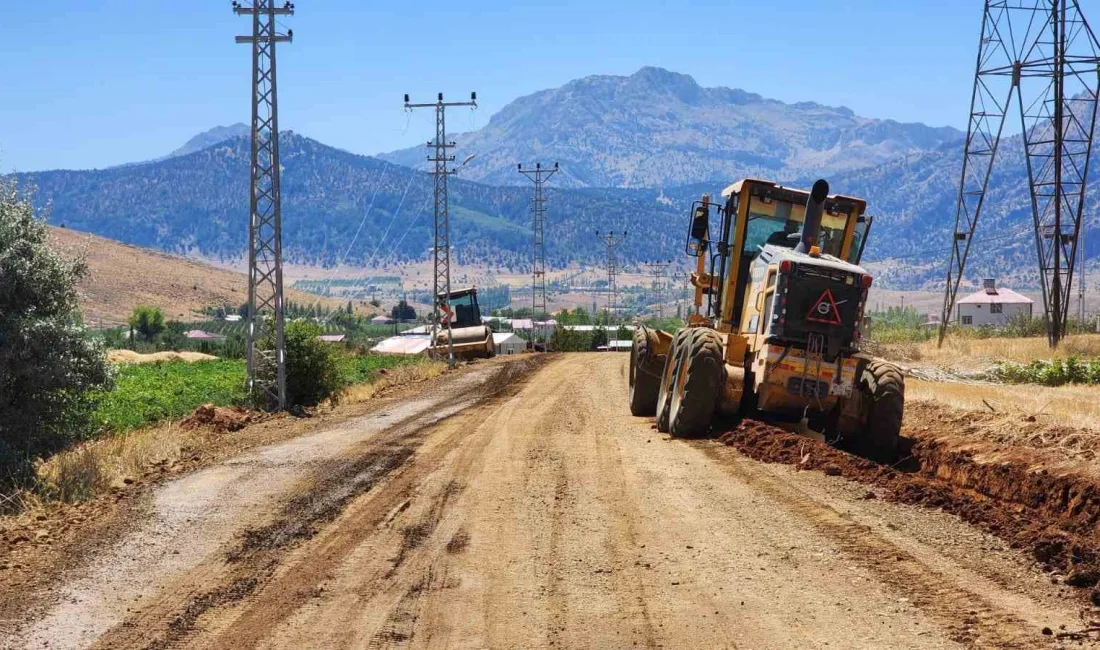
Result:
{"points": [[462, 325], [781, 331]]}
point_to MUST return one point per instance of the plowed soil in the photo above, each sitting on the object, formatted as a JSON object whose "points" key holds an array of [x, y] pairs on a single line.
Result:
{"points": [[526, 508]]}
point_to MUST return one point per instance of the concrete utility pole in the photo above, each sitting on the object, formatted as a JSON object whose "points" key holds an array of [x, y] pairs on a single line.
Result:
{"points": [[538, 176], [658, 269], [442, 252], [612, 240], [266, 368]]}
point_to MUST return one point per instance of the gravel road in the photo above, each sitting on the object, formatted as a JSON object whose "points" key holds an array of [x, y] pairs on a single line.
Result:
{"points": [[526, 508]]}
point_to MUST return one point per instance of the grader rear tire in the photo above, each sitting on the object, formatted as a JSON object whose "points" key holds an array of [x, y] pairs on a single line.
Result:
{"points": [[883, 389], [645, 380], [668, 376], [698, 385]]}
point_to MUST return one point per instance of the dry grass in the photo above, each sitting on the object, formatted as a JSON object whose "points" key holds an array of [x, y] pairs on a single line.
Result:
{"points": [[129, 356], [398, 376], [94, 467], [972, 354], [1075, 406], [120, 277]]}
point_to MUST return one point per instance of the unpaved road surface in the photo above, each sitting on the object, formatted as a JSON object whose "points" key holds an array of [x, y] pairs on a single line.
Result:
{"points": [[527, 508]]}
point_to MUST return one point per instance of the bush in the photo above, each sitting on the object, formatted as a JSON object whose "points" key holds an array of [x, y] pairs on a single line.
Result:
{"points": [[47, 365], [314, 369]]}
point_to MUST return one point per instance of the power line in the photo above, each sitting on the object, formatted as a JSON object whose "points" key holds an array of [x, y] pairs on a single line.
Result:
{"points": [[266, 367], [538, 176], [441, 282]]}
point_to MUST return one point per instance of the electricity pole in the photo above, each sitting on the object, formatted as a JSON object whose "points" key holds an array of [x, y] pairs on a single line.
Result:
{"points": [[1037, 59], [266, 367], [538, 175], [612, 240], [658, 283], [441, 283]]}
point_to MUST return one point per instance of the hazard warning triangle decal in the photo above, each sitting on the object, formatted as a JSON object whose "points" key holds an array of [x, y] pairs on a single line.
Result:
{"points": [[825, 310]]}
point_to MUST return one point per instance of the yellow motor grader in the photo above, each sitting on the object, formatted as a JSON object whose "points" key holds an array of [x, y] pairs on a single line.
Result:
{"points": [[780, 334]]}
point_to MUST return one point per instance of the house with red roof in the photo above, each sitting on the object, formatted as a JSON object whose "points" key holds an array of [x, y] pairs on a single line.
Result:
{"points": [[992, 306]]}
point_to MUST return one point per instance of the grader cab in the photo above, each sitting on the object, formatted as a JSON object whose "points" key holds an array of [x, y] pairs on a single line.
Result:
{"points": [[779, 298]]}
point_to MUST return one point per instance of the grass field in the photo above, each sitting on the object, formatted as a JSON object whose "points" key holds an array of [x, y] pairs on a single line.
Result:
{"points": [[150, 392]]}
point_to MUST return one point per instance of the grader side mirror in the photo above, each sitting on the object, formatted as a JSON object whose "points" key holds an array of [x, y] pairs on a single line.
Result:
{"points": [[700, 222]]}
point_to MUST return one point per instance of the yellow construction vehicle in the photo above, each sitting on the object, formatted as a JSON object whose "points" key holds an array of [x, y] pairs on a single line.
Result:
{"points": [[461, 323], [780, 333]]}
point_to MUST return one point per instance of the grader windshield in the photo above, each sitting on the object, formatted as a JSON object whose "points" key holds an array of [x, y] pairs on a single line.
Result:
{"points": [[774, 215]]}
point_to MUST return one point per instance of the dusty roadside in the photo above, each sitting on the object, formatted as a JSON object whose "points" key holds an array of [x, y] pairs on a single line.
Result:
{"points": [[39, 548]]}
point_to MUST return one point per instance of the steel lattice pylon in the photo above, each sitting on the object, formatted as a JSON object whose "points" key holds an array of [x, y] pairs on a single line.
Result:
{"points": [[612, 241], [659, 268], [538, 175], [441, 276], [1043, 55], [266, 343]]}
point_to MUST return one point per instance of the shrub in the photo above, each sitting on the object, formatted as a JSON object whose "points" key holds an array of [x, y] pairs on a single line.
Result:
{"points": [[314, 369], [47, 364]]}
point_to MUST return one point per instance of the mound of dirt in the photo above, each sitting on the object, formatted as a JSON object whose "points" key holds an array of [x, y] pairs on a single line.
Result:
{"points": [[220, 418], [129, 356]]}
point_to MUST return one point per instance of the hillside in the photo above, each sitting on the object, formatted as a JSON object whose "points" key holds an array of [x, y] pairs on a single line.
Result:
{"points": [[120, 277], [197, 205], [658, 128]]}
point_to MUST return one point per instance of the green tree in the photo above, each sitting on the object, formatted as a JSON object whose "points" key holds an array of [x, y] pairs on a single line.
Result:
{"points": [[147, 321], [403, 311], [49, 368]]}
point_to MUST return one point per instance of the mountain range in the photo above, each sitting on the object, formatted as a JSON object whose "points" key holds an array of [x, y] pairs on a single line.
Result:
{"points": [[195, 200], [659, 128]]}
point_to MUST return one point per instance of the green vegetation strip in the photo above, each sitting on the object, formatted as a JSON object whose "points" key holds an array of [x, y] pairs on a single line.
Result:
{"points": [[1049, 372], [145, 394], [149, 392]]}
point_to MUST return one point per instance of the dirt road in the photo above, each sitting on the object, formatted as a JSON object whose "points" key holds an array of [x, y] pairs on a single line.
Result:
{"points": [[541, 516]]}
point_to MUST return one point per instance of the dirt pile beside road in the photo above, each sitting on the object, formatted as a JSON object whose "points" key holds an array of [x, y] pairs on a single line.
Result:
{"points": [[1032, 498], [220, 418]]}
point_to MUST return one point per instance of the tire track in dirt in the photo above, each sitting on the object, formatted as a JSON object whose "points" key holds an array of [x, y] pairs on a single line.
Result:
{"points": [[972, 619], [255, 559]]}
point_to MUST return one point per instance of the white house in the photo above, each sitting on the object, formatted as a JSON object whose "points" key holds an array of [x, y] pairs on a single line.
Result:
{"points": [[508, 343], [991, 306]]}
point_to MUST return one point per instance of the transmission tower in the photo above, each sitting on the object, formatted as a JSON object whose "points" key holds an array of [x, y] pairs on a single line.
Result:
{"points": [[266, 366], [1043, 54], [441, 282], [538, 175], [658, 269], [612, 240]]}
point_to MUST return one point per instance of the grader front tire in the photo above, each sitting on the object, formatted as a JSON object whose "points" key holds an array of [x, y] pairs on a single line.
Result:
{"points": [[668, 376], [698, 385], [883, 390], [645, 381]]}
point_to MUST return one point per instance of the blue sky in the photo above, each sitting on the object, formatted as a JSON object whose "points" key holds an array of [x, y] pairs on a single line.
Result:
{"points": [[93, 84]]}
